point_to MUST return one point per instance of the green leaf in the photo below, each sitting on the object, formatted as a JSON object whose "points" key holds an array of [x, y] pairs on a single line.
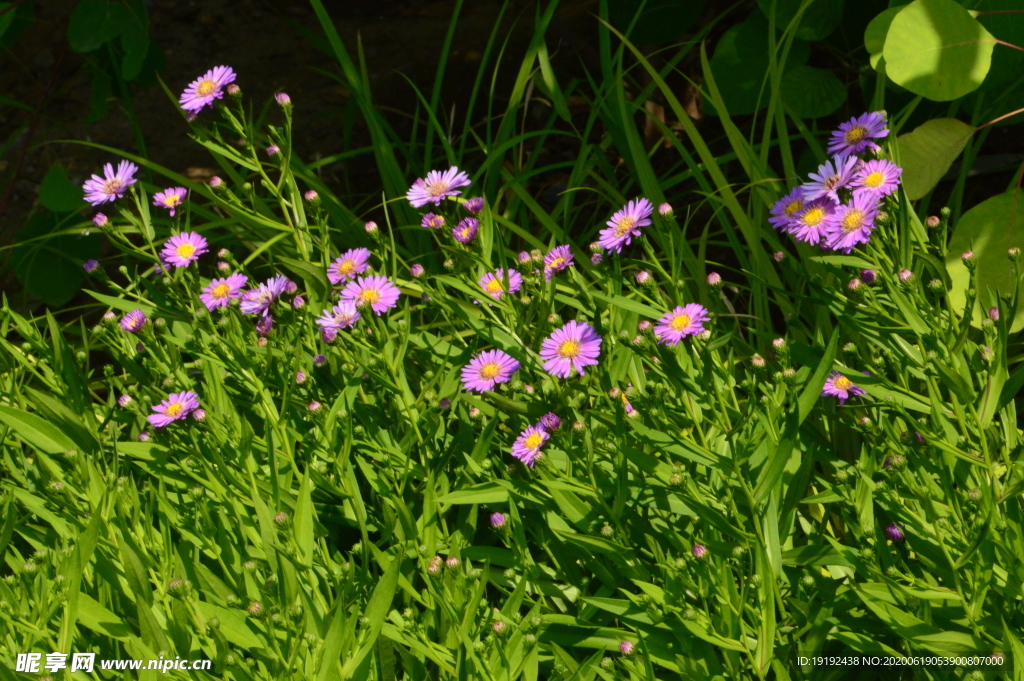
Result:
{"points": [[135, 42], [936, 49], [315, 278], [58, 194], [232, 625], [304, 522], [95, 22], [628, 304], [376, 610], [486, 493], [812, 93], [739, 65], [817, 23], [927, 152], [874, 34], [989, 229], [50, 265], [37, 432]]}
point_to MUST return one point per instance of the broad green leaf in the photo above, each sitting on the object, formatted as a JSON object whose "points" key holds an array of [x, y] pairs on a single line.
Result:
{"points": [[486, 493], [232, 624], [812, 93], [989, 229], [304, 522], [315, 278], [49, 264], [58, 194], [94, 22], [819, 20], [874, 34], [936, 49], [928, 152], [37, 432], [376, 610]]}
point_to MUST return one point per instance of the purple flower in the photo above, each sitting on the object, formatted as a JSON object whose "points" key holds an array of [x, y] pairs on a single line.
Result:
{"points": [[841, 387], [90, 266], [300, 377], [220, 291], [550, 422], [699, 550], [133, 321], [273, 150], [868, 276], [170, 198], [488, 369], [680, 323], [524, 257], [574, 346], [557, 259], [298, 302], [626, 224], [258, 300], [264, 325], [100, 220], [183, 249], [904, 276], [341, 316], [416, 271], [466, 230], [785, 210], [527, 447], [832, 175], [319, 360], [853, 223], [493, 283], [124, 400], [432, 221], [436, 187], [348, 265], [177, 406], [595, 259], [894, 532], [665, 210], [626, 647], [497, 520], [112, 185], [855, 135], [144, 436], [202, 91], [329, 334], [376, 291], [283, 99], [878, 178], [474, 205], [814, 221]]}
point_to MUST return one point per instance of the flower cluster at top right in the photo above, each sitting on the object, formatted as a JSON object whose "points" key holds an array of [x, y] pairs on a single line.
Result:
{"points": [[837, 208]]}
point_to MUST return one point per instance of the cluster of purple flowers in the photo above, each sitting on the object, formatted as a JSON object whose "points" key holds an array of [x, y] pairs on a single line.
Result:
{"points": [[836, 209], [434, 189]]}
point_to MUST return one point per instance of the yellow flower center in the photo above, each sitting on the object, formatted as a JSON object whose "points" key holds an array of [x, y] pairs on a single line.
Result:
{"points": [[534, 441], [556, 263], [206, 88], [679, 323], [465, 232], [112, 186], [220, 291], [625, 224], [569, 349], [370, 295], [794, 207], [172, 200], [842, 383], [185, 250], [346, 267], [437, 188], [174, 408], [853, 220], [874, 180], [490, 371], [856, 134], [493, 286], [814, 216]]}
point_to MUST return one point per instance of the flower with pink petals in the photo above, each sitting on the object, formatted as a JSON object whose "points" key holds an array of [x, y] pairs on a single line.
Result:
{"points": [[203, 91], [856, 135], [680, 323], [376, 291], [840, 387], [170, 198], [348, 265], [221, 291], [488, 369], [785, 210], [853, 223], [432, 221], [183, 249], [133, 321], [574, 346], [878, 178], [176, 407], [112, 185], [436, 187], [466, 230], [832, 175], [625, 224], [258, 300], [557, 259], [341, 316], [527, 446], [493, 283]]}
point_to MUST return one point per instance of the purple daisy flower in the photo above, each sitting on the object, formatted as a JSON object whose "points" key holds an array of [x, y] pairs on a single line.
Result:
{"points": [[264, 325], [376, 291], [133, 321], [853, 223], [112, 185], [550, 422], [474, 205], [466, 230], [183, 249], [626, 224], [436, 187], [493, 283], [170, 198], [855, 135], [832, 175], [177, 406], [432, 221], [348, 265], [202, 91], [220, 291], [488, 369], [841, 387], [814, 220], [90, 266], [341, 316], [785, 210], [258, 300], [877, 178], [680, 323], [527, 447], [574, 346], [557, 259]]}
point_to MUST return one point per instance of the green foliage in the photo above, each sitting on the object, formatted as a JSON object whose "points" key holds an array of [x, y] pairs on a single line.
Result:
{"points": [[927, 153]]}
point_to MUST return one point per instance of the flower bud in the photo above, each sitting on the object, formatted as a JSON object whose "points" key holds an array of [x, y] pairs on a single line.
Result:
{"points": [[314, 407], [370, 227], [233, 91], [416, 271], [283, 100], [968, 259], [868, 276], [273, 150], [199, 415], [1013, 254], [312, 198], [779, 256], [498, 520], [665, 211], [626, 647], [932, 221], [715, 280], [905, 276], [474, 205], [643, 277]]}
